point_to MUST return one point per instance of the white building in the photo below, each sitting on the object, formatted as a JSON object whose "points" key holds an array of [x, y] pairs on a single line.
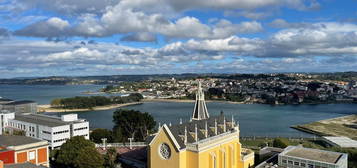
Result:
{"points": [[343, 142], [4, 119], [24, 106], [300, 157], [56, 130]]}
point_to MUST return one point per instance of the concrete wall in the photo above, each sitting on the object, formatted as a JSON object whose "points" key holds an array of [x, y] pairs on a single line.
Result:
{"points": [[80, 129]]}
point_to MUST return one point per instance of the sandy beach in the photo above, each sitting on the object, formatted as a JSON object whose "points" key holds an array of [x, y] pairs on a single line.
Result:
{"points": [[47, 108]]}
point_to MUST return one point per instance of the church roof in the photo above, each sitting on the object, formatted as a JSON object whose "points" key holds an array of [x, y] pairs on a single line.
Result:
{"points": [[178, 131]]}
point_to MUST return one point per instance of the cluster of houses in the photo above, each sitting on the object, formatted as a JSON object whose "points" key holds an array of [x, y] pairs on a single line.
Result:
{"points": [[269, 90]]}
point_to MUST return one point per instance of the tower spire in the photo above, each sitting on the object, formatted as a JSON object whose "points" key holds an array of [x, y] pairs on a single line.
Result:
{"points": [[200, 111]]}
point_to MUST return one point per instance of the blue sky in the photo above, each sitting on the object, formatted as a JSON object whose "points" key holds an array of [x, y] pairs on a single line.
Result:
{"points": [[106, 37]]}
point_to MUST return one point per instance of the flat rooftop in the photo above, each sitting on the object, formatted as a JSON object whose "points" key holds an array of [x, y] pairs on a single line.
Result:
{"points": [[20, 102], [344, 142], [24, 165], [4, 99], [12, 140], [313, 154], [41, 120]]}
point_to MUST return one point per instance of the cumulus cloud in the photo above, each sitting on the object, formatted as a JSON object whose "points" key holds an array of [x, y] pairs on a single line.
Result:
{"points": [[121, 20], [4, 33], [140, 37], [52, 27], [281, 23], [241, 4], [92, 18], [67, 7], [78, 7], [249, 14], [324, 39]]}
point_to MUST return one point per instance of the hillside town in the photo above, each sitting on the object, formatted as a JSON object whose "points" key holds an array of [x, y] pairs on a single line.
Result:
{"points": [[268, 89]]}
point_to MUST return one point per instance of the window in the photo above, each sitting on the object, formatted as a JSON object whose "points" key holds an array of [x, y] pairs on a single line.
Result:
{"points": [[77, 129], [59, 140], [284, 161], [32, 155], [311, 166], [60, 132], [302, 164], [46, 132], [290, 162], [296, 163]]}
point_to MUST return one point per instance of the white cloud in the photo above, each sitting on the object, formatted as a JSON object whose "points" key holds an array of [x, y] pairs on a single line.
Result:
{"points": [[52, 27], [58, 23], [249, 14], [121, 20], [140, 37]]}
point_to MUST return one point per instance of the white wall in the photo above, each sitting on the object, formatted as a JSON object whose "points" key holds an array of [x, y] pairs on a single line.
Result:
{"points": [[56, 136], [81, 129], [4, 120]]}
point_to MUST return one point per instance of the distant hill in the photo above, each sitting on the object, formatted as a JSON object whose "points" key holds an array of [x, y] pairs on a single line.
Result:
{"points": [[115, 79], [112, 79]]}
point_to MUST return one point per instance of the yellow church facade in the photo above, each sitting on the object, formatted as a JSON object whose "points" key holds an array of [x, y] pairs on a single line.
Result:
{"points": [[221, 150], [203, 142]]}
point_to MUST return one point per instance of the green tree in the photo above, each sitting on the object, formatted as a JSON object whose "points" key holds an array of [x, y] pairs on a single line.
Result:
{"points": [[280, 142], [136, 96], [56, 102], [117, 134], [78, 152], [88, 157], [97, 135], [133, 123], [19, 133], [110, 158], [108, 88]]}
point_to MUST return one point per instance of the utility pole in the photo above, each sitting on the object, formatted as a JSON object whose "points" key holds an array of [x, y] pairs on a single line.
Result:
{"points": [[104, 140], [130, 142]]}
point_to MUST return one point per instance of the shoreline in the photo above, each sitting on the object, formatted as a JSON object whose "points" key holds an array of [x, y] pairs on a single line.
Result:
{"points": [[48, 109], [328, 127], [187, 101]]}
